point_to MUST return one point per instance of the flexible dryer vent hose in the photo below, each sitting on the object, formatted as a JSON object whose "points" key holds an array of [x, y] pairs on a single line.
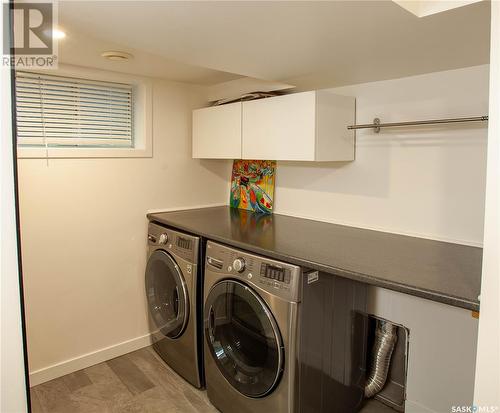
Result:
{"points": [[385, 339]]}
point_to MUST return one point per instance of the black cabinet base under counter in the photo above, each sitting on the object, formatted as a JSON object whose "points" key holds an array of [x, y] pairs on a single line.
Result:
{"points": [[333, 328], [439, 271]]}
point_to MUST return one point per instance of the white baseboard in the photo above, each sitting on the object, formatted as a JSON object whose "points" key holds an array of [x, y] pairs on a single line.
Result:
{"points": [[183, 208], [86, 360]]}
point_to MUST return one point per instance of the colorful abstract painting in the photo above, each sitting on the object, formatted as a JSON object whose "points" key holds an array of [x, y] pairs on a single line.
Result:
{"points": [[252, 185]]}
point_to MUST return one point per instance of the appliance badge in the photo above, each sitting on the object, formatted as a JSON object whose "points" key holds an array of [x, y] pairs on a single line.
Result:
{"points": [[312, 277]]}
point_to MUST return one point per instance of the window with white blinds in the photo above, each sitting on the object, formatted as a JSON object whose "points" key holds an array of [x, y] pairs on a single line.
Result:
{"points": [[57, 111]]}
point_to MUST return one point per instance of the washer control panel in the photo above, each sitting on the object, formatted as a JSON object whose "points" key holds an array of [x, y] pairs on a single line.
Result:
{"points": [[239, 264], [182, 245], [275, 272], [276, 277]]}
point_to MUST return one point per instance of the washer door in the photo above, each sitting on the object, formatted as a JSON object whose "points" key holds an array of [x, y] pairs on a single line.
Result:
{"points": [[243, 338], [167, 294]]}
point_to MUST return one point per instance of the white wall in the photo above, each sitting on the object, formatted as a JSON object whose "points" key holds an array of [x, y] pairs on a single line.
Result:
{"points": [[426, 181], [487, 389], [441, 356], [12, 379], [84, 238]]}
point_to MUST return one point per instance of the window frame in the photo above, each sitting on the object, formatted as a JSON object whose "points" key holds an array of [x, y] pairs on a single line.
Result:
{"points": [[142, 114]]}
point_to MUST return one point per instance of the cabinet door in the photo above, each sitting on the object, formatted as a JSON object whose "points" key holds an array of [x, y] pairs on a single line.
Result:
{"points": [[217, 132], [280, 128]]}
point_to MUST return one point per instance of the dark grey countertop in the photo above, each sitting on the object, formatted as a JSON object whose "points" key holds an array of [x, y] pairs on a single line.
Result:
{"points": [[439, 271]]}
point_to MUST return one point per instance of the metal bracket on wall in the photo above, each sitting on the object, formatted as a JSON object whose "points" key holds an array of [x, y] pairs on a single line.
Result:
{"points": [[376, 125]]}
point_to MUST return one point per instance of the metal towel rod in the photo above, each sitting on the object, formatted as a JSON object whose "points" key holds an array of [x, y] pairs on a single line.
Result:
{"points": [[376, 125]]}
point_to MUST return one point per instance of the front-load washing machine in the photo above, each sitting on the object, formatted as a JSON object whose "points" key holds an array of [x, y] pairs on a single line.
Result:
{"points": [[250, 325], [172, 285]]}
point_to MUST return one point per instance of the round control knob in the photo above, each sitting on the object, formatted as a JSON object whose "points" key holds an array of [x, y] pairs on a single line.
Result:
{"points": [[163, 239], [239, 264]]}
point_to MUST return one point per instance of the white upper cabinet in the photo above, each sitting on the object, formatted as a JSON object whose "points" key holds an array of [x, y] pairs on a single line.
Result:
{"points": [[281, 127], [217, 132], [307, 126]]}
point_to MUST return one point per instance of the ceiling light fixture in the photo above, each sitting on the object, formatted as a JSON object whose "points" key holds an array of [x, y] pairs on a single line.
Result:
{"points": [[55, 34], [58, 34], [116, 56]]}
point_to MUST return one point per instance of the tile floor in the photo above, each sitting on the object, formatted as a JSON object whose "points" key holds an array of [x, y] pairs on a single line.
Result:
{"points": [[138, 382]]}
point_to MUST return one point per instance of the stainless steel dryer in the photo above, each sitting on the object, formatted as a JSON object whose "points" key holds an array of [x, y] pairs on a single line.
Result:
{"points": [[171, 287], [250, 323]]}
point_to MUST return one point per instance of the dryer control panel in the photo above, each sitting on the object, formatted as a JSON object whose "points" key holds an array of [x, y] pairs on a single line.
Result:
{"points": [[182, 245], [276, 277]]}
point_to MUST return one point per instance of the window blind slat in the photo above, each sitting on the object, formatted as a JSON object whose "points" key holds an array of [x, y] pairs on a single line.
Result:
{"points": [[64, 80], [65, 121], [74, 129], [68, 139], [78, 142], [70, 136], [78, 96], [70, 87], [41, 137], [34, 88], [73, 111], [64, 111], [62, 101]]}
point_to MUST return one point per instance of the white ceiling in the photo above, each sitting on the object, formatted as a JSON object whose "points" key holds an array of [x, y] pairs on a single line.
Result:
{"points": [[310, 44], [81, 49]]}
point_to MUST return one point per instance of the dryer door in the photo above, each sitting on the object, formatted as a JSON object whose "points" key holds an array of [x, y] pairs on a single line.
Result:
{"points": [[243, 338], [167, 294]]}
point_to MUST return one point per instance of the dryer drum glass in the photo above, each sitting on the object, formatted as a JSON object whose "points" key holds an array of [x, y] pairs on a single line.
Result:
{"points": [[167, 300], [243, 338]]}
